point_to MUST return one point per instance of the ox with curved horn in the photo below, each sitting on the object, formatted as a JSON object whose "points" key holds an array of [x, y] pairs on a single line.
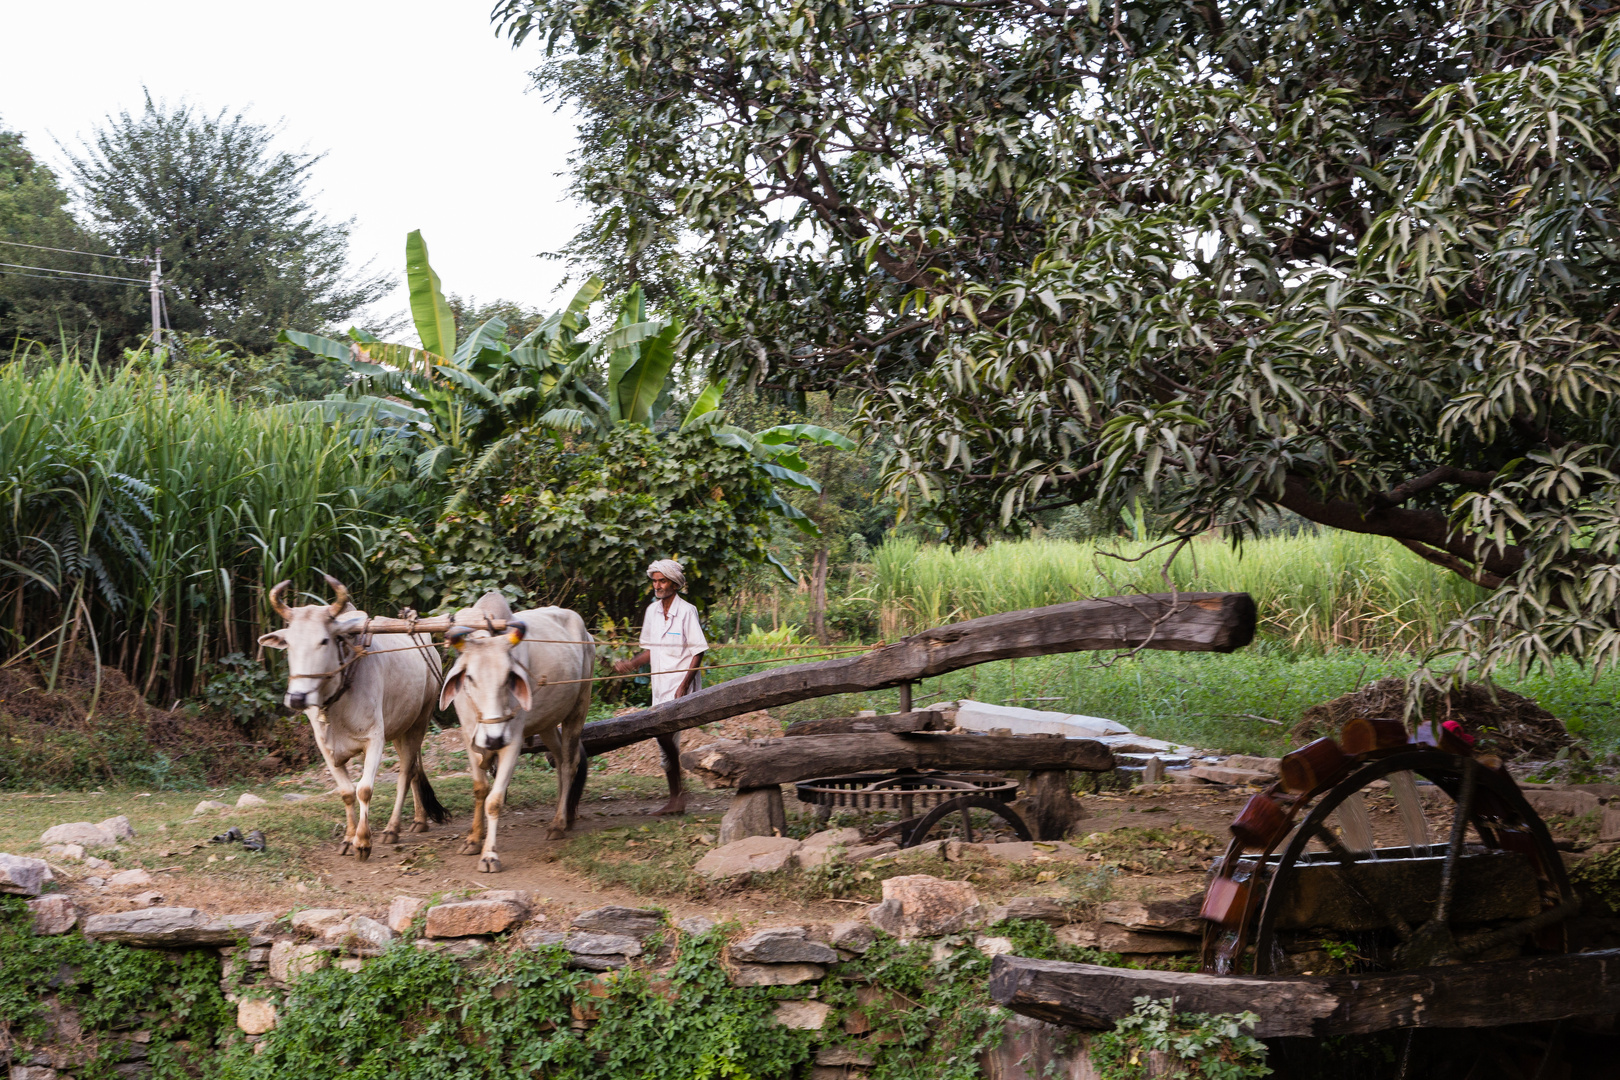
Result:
{"points": [[533, 679], [358, 696]]}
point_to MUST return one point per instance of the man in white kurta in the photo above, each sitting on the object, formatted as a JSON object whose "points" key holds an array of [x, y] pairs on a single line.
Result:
{"points": [[672, 645]]}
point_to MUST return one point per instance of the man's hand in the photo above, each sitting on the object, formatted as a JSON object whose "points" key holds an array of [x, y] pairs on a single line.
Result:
{"points": [[625, 667]]}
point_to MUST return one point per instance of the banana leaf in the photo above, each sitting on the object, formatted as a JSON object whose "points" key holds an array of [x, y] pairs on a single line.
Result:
{"points": [[785, 433], [330, 348], [639, 385], [706, 405], [435, 323]]}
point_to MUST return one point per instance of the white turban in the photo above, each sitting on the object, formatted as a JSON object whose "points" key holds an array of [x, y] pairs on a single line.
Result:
{"points": [[671, 570]]}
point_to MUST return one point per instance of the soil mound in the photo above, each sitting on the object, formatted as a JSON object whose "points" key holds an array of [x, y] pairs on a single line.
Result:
{"points": [[54, 738], [1505, 723]]}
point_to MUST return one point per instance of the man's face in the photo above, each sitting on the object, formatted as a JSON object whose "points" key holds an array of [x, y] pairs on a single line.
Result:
{"points": [[662, 587]]}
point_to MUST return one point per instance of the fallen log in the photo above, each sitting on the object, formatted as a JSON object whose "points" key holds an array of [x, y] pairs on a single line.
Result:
{"points": [[1459, 996], [750, 763], [900, 722], [1181, 622]]}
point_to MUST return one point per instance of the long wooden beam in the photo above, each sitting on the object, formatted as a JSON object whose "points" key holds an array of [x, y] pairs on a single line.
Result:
{"points": [[748, 763], [1180, 622], [922, 720], [1459, 996]]}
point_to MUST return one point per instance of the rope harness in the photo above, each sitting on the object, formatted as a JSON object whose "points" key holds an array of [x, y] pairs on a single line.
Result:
{"points": [[363, 649]]}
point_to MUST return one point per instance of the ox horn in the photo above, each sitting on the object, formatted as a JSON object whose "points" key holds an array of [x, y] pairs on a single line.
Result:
{"points": [[340, 593], [456, 636], [278, 603]]}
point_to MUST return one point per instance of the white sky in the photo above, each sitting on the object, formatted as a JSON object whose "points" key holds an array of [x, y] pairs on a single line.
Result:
{"points": [[423, 113]]}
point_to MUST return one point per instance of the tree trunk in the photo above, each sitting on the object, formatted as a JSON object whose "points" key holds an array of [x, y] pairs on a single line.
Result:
{"points": [[818, 596]]}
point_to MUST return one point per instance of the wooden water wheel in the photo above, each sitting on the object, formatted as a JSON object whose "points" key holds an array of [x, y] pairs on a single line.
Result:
{"points": [[1304, 884]]}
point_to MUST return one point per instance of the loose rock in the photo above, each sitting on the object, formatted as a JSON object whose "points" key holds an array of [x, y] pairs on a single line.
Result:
{"points": [[136, 876], [53, 915], [917, 905], [248, 801], [171, 926], [256, 1015], [473, 917], [364, 934], [1165, 916], [1112, 938], [855, 937], [118, 828], [696, 926], [66, 852], [23, 876], [776, 974], [1573, 803], [86, 833], [208, 806], [1044, 908], [803, 1015], [782, 945], [816, 848], [288, 960], [601, 952], [316, 921], [638, 923], [403, 911], [753, 854]]}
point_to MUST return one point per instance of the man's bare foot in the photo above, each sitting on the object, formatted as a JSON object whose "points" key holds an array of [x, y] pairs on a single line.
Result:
{"points": [[676, 805]]}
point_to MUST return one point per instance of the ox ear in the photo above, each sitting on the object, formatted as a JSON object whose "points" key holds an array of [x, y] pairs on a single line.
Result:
{"points": [[273, 640], [452, 683], [521, 690]]}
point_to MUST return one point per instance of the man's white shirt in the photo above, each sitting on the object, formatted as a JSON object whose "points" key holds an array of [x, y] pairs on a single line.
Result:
{"points": [[671, 641]]}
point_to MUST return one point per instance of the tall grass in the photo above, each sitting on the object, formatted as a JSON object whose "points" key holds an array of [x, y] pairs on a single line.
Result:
{"points": [[1315, 591], [140, 521]]}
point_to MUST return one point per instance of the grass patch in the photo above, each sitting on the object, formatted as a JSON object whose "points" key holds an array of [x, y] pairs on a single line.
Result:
{"points": [[1243, 702], [1141, 850]]}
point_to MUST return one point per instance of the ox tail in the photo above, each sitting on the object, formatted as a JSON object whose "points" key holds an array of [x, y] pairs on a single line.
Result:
{"points": [[431, 806]]}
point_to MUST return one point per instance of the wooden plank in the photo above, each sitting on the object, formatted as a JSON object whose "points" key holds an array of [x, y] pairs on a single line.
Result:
{"points": [[746, 763], [428, 624], [927, 720], [1180, 622], [1459, 996]]}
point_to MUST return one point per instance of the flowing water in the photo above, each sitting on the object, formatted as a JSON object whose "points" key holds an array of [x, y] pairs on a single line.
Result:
{"points": [[1410, 806], [1354, 823]]}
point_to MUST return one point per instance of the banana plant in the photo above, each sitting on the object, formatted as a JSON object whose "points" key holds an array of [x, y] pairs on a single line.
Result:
{"points": [[463, 397], [776, 450]]}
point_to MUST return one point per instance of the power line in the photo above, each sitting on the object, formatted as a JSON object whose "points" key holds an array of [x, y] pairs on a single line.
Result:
{"points": [[74, 251], [50, 277], [74, 273]]}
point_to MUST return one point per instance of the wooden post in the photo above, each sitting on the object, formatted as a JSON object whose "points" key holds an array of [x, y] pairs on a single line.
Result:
{"points": [[905, 697], [1049, 807]]}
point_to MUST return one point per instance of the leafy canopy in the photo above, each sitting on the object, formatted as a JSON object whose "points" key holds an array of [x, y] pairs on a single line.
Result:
{"points": [[244, 253], [1352, 259]]}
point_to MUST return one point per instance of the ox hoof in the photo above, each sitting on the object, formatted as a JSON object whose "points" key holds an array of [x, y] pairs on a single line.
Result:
{"points": [[471, 848], [363, 854], [419, 826], [346, 848], [677, 805], [389, 836], [489, 864], [556, 832]]}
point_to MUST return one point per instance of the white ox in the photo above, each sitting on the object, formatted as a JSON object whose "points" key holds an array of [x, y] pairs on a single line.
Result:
{"points": [[532, 679], [356, 705]]}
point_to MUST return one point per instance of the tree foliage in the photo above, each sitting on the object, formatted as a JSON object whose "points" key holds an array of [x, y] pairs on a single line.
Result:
{"points": [[575, 523], [245, 254], [1353, 260], [45, 294]]}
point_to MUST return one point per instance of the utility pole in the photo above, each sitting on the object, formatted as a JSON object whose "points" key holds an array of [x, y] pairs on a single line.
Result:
{"points": [[157, 300]]}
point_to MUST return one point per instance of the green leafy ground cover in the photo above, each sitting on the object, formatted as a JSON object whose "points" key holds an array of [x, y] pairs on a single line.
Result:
{"points": [[515, 1012]]}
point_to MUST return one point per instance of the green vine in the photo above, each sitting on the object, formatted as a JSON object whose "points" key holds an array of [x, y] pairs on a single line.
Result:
{"points": [[1195, 1046], [114, 990]]}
